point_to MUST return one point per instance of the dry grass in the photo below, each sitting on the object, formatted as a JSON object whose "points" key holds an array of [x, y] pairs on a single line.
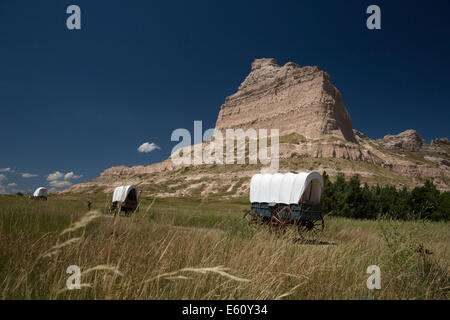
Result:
{"points": [[182, 253]]}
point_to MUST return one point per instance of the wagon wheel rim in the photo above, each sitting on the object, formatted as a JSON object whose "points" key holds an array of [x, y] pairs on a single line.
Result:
{"points": [[251, 216], [281, 218], [310, 230]]}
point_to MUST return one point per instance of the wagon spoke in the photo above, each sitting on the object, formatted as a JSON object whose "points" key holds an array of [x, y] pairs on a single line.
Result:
{"points": [[251, 217], [310, 230], [277, 219]]}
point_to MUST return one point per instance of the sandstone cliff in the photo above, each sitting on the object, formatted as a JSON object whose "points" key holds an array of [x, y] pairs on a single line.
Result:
{"points": [[289, 98]]}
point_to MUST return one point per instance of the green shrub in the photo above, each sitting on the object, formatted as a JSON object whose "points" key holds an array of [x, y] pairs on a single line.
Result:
{"points": [[351, 200]]}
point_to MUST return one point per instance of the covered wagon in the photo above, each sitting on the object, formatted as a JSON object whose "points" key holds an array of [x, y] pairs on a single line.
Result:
{"points": [[40, 194], [287, 199], [125, 198]]}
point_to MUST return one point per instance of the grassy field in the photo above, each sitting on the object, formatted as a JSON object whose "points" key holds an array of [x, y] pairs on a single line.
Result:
{"points": [[185, 248]]}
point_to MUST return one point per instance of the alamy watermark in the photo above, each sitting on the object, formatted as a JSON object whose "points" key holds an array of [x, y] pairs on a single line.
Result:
{"points": [[74, 281], [374, 20], [374, 280], [73, 22], [230, 147]]}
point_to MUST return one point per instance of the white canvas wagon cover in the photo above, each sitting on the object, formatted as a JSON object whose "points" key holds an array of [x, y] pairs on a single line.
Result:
{"points": [[121, 193], [40, 192], [286, 188]]}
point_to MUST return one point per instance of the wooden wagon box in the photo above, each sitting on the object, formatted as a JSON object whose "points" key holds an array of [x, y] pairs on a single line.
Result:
{"points": [[307, 211]]}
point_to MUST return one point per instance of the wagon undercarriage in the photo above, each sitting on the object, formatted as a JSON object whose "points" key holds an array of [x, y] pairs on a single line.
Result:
{"points": [[126, 199], [306, 218], [128, 207]]}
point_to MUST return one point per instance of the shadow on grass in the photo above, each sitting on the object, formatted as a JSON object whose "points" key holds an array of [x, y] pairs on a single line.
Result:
{"points": [[315, 242]]}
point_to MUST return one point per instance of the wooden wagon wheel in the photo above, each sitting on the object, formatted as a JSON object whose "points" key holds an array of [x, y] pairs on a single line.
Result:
{"points": [[118, 209], [251, 216], [112, 209], [281, 218], [310, 230]]}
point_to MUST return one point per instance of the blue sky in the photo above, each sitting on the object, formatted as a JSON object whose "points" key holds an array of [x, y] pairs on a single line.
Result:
{"points": [[73, 103]]}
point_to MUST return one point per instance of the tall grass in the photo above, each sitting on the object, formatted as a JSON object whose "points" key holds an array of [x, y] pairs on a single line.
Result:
{"points": [[184, 249]]}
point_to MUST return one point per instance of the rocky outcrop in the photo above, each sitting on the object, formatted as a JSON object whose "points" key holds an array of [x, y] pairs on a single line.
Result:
{"points": [[359, 135], [410, 169], [290, 98], [408, 140], [338, 150], [121, 171], [440, 141], [439, 161]]}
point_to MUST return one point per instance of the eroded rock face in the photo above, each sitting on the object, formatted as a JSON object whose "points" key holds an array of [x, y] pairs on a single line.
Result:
{"points": [[438, 160], [119, 171], [440, 141], [290, 98], [359, 135], [408, 140], [338, 150]]}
